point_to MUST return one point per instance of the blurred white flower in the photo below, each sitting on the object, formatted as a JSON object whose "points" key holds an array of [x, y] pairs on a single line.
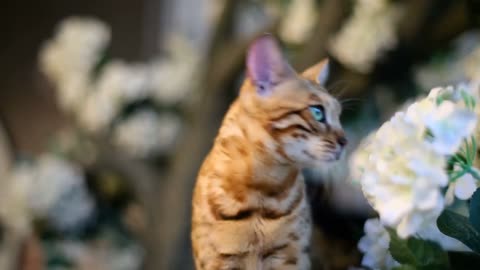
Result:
{"points": [[69, 58], [124, 83], [402, 167], [374, 244], [174, 77], [146, 133], [368, 34], [249, 18], [58, 193], [73, 91], [14, 194], [49, 188], [299, 21], [99, 110]]}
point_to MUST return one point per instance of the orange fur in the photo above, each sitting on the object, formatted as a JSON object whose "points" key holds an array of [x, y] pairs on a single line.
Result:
{"points": [[249, 206]]}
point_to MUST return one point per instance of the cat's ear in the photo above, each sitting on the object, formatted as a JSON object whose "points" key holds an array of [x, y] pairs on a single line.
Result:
{"points": [[266, 66], [319, 72]]}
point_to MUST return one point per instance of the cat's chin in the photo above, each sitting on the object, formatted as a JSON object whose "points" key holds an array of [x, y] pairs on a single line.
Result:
{"points": [[323, 163], [334, 156]]}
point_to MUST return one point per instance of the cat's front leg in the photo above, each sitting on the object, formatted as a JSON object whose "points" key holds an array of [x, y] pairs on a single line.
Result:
{"points": [[290, 256]]}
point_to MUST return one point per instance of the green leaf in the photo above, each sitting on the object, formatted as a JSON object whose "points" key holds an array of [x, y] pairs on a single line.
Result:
{"points": [[475, 148], [422, 254], [427, 252], [469, 152], [400, 250], [468, 99], [475, 210], [458, 227], [405, 267]]}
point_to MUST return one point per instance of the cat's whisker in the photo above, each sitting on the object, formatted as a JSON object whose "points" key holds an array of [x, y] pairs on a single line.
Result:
{"points": [[347, 100], [348, 109], [338, 89], [351, 103]]}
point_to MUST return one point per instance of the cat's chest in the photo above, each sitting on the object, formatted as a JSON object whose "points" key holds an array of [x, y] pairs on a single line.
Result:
{"points": [[256, 234]]}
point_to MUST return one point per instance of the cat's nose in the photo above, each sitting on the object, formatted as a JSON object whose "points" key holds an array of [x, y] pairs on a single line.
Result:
{"points": [[342, 141]]}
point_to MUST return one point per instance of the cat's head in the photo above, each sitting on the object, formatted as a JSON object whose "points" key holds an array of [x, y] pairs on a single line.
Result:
{"points": [[300, 116]]}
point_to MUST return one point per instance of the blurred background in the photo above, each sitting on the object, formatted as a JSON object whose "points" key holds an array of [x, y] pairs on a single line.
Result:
{"points": [[108, 107]]}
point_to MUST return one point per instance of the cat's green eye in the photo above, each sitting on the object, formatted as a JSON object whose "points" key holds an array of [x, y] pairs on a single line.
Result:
{"points": [[318, 113]]}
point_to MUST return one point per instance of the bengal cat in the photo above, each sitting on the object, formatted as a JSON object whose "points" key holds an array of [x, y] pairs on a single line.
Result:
{"points": [[249, 204]]}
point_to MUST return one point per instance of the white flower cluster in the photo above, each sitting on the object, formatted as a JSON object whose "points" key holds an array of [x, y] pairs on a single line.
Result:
{"points": [[402, 167], [50, 188], [376, 241], [69, 59], [157, 133], [368, 34], [117, 85], [72, 57], [173, 77], [374, 244]]}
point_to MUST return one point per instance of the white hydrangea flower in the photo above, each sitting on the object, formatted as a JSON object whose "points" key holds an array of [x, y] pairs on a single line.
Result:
{"points": [[146, 133], [465, 186], [71, 56], [368, 34], [299, 21], [374, 244], [449, 124], [472, 89], [402, 167], [462, 188]]}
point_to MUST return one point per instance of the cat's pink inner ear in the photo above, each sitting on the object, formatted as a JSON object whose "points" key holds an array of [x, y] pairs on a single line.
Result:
{"points": [[265, 63]]}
